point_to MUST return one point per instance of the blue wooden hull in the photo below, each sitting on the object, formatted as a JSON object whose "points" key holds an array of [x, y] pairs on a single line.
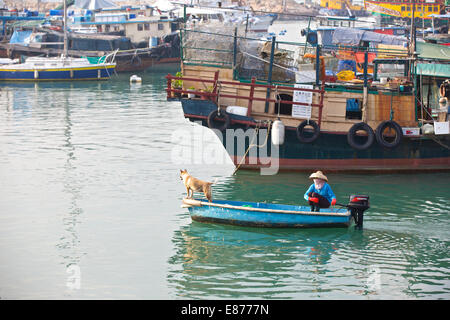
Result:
{"points": [[265, 214], [62, 74]]}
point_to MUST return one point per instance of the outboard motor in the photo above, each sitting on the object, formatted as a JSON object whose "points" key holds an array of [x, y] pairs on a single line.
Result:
{"points": [[357, 205]]}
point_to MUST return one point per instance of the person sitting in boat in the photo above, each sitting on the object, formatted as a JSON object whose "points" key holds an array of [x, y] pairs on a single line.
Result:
{"points": [[319, 194]]}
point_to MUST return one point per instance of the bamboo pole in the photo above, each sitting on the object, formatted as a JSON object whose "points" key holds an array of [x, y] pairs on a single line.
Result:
{"points": [[66, 49], [269, 77]]}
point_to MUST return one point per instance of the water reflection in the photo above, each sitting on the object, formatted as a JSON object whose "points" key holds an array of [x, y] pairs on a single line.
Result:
{"points": [[69, 244], [217, 261], [226, 262]]}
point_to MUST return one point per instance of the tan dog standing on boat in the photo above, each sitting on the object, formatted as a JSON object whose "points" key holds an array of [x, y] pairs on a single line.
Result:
{"points": [[193, 184]]}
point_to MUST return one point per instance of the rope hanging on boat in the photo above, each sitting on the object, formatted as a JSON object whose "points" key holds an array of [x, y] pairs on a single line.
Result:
{"points": [[219, 87], [440, 143], [251, 145], [277, 98]]}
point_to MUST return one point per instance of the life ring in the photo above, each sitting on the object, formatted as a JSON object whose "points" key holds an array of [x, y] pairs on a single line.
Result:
{"points": [[398, 134], [301, 131], [222, 115], [351, 136]]}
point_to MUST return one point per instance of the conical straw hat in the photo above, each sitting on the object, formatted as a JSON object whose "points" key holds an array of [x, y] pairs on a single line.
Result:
{"points": [[318, 175]]}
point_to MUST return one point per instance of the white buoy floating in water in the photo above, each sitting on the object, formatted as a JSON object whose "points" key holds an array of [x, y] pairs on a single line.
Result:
{"points": [[135, 79], [277, 133]]}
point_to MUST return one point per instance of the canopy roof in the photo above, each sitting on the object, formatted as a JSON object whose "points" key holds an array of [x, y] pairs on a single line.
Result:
{"points": [[164, 5], [94, 4], [353, 37], [443, 16], [433, 70], [433, 51]]}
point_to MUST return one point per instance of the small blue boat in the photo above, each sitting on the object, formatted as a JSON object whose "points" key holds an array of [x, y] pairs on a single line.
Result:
{"points": [[260, 214]]}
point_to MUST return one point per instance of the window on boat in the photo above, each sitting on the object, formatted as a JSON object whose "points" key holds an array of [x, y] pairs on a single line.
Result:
{"points": [[160, 26], [284, 108], [140, 27], [353, 109], [387, 70], [107, 27], [147, 26]]}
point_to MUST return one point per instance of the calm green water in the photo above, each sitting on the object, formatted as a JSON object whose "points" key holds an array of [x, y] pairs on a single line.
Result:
{"points": [[90, 209]]}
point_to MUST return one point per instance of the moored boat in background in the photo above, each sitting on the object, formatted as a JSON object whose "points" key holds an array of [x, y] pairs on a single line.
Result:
{"points": [[58, 69]]}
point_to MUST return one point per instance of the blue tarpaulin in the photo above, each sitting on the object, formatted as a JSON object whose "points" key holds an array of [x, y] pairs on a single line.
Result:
{"points": [[353, 37], [21, 37]]}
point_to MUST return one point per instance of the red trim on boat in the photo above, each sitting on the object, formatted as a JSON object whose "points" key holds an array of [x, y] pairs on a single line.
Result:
{"points": [[377, 165]]}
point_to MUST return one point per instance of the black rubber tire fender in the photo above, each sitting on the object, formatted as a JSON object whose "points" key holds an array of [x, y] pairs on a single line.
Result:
{"points": [[398, 133], [223, 115], [351, 135], [300, 131]]}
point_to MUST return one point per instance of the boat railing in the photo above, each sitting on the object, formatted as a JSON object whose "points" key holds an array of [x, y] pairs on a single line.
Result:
{"points": [[109, 58], [215, 94]]}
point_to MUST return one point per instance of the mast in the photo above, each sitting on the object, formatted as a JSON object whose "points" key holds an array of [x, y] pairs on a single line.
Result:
{"points": [[412, 41], [65, 29], [412, 37]]}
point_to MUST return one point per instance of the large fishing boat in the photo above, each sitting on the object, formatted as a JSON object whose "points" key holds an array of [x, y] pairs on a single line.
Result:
{"points": [[295, 112], [342, 7], [422, 9]]}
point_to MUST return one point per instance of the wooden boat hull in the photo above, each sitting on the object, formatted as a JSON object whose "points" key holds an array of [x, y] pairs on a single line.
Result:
{"points": [[130, 65], [331, 151], [265, 214]]}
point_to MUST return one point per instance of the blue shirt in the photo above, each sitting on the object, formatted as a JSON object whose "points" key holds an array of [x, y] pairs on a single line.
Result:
{"points": [[324, 192]]}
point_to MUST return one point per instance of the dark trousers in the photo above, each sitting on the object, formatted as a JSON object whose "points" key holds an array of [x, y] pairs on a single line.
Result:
{"points": [[323, 202]]}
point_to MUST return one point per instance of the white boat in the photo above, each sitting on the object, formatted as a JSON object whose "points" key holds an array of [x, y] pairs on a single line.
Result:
{"points": [[60, 68], [6, 61]]}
